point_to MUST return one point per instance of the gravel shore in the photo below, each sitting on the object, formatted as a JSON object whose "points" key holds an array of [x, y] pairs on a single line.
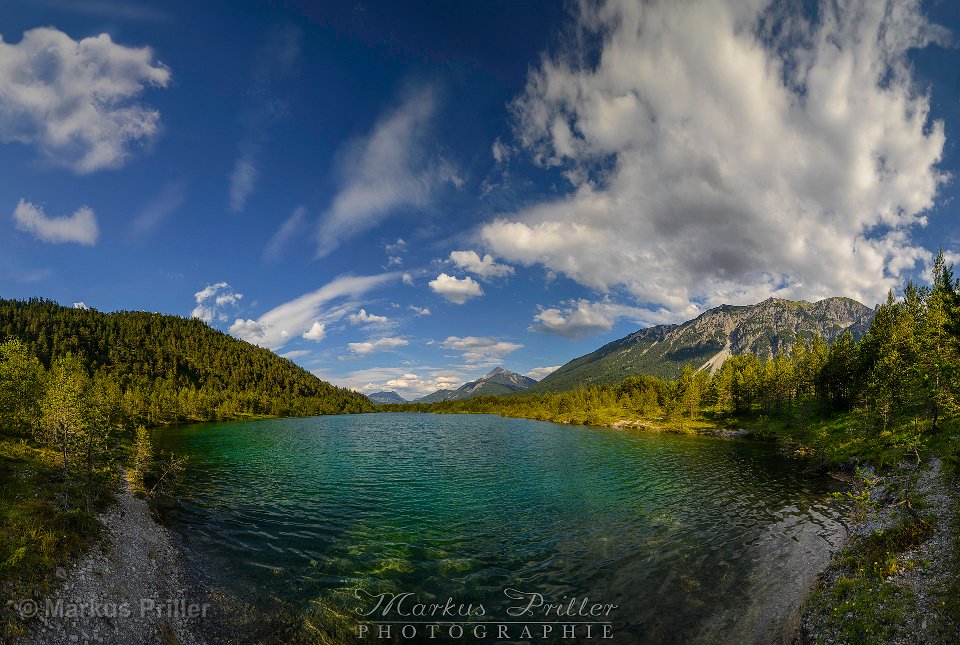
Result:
{"points": [[129, 588], [923, 573]]}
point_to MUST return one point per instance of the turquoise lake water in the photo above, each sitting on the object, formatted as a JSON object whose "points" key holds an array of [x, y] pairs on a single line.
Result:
{"points": [[294, 526]]}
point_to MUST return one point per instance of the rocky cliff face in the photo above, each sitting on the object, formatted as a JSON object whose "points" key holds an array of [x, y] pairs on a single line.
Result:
{"points": [[765, 329]]}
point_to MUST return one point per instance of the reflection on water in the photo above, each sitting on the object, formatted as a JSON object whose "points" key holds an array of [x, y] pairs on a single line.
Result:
{"points": [[694, 540]]}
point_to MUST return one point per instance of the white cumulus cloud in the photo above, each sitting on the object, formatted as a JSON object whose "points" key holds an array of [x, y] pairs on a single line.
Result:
{"points": [[76, 101], [728, 150], [484, 267], [420, 311], [81, 227], [477, 349], [456, 290], [539, 373], [579, 318], [214, 302], [380, 344], [363, 318], [411, 382], [317, 332]]}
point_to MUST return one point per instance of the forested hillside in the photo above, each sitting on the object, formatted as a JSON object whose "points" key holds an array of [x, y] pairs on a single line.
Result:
{"points": [[765, 330], [886, 406], [873, 399], [165, 369]]}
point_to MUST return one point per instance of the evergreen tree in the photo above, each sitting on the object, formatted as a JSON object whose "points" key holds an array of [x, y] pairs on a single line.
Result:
{"points": [[21, 389]]}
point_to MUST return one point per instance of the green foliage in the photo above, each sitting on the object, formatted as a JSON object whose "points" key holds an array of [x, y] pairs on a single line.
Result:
{"points": [[37, 532], [152, 474], [142, 462], [862, 605], [150, 369], [21, 387], [73, 381]]}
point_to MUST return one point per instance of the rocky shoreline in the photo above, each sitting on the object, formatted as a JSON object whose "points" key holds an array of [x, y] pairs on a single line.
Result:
{"points": [[923, 572], [723, 433], [131, 587]]}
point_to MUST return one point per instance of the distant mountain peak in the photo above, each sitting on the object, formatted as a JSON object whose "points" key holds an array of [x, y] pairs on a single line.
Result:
{"points": [[765, 329], [498, 381], [386, 396]]}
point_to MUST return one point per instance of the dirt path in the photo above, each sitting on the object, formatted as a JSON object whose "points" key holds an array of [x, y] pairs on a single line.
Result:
{"points": [[129, 588]]}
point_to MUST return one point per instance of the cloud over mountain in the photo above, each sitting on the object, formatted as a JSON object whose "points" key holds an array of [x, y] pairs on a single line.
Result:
{"points": [[795, 164]]}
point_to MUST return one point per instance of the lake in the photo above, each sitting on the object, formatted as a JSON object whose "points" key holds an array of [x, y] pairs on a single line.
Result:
{"points": [[299, 527]]}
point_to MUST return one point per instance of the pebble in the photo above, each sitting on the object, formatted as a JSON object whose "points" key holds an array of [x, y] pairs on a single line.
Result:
{"points": [[136, 558]]}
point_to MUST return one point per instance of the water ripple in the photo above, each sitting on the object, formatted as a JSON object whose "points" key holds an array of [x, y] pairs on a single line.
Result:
{"points": [[691, 537]]}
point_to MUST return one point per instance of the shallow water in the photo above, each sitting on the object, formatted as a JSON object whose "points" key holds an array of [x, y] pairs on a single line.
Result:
{"points": [[296, 522]]}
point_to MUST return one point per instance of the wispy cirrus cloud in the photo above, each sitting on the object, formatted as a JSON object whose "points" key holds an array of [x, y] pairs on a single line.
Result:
{"points": [[292, 319], [77, 101], [288, 231], [160, 207], [276, 60], [389, 169], [130, 11]]}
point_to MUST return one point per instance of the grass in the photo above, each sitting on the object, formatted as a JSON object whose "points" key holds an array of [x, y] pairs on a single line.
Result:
{"points": [[861, 604], [858, 602], [37, 534]]}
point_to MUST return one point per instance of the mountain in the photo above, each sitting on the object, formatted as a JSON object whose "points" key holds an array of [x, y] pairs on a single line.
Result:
{"points": [[168, 369], [436, 397], [386, 397], [765, 329], [497, 382]]}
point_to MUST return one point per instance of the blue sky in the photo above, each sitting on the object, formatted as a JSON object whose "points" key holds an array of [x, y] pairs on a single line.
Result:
{"points": [[403, 195]]}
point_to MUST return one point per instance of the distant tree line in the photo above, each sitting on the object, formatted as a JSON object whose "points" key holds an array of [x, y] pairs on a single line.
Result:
{"points": [[153, 369], [74, 386], [902, 375]]}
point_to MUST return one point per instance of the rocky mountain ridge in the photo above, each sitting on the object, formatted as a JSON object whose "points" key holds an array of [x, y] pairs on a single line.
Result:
{"points": [[765, 329], [497, 382], [386, 397]]}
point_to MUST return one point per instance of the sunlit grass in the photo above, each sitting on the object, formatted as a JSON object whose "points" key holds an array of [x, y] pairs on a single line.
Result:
{"points": [[36, 533]]}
